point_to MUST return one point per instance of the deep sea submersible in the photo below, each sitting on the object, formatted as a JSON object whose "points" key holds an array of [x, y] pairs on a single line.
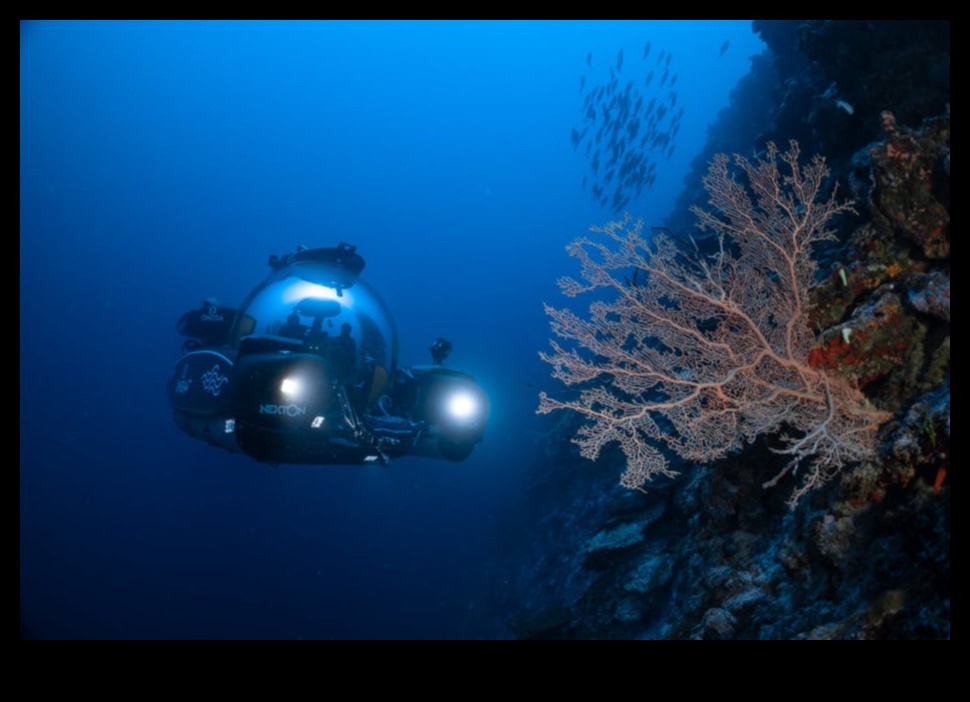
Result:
{"points": [[305, 372]]}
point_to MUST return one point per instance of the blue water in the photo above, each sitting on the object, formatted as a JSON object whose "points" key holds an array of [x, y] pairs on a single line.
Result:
{"points": [[161, 163]]}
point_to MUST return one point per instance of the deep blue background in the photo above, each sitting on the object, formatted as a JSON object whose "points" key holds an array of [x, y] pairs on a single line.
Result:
{"points": [[161, 163]]}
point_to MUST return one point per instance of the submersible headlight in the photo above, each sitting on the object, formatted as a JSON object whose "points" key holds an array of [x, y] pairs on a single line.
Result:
{"points": [[291, 386], [462, 406], [300, 382]]}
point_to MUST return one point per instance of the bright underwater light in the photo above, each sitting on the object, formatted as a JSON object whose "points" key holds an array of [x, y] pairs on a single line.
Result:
{"points": [[291, 386], [462, 406]]}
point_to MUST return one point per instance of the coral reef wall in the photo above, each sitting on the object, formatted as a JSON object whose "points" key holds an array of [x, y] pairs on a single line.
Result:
{"points": [[713, 553]]}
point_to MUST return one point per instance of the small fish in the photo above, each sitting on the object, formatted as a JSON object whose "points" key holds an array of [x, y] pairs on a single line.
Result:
{"points": [[724, 47], [844, 106]]}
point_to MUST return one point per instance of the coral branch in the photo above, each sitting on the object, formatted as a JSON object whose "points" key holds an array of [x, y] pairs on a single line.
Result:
{"points": [[702, 353]]}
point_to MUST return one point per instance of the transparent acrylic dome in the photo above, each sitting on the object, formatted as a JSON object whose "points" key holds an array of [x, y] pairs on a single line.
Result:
{"points": [[308, 300]]}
